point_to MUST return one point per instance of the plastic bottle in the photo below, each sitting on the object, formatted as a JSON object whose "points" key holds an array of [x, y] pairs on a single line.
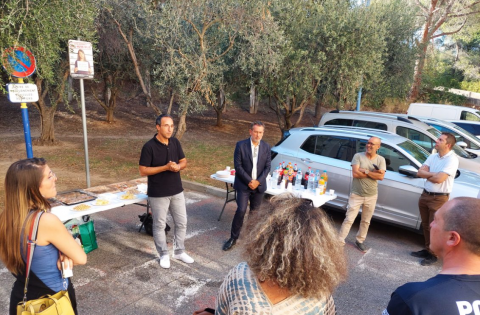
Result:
{"points": [[274, 178], [325, 177], [305, 179], [283, 165], [321, 185], [317, 178], [298, 180], [295, 168], [311, 182]]}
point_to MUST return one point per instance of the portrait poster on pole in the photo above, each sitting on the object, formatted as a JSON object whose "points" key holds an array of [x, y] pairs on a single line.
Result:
{"points": [[81, 59]]}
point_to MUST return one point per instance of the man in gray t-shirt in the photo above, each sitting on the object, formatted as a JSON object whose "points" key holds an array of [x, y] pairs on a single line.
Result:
{"points": [[367, 169]]}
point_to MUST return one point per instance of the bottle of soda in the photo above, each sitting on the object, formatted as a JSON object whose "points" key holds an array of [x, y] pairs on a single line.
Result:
{"points": [[295, 168], [283, 165], [321, 185], [325, 177], [305, 179]]}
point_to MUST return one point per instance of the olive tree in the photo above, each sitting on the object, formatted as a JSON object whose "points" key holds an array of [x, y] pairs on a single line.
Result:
{"points": [[197, 38], [438, 18], [44, 28], [327, 46]]}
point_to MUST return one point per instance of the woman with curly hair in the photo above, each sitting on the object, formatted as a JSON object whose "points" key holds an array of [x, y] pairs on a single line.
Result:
{"points": [[28, 185], [294, 262]]}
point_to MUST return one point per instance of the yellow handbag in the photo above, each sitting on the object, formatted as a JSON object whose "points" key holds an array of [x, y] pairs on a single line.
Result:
{"points": [[56, 304]]}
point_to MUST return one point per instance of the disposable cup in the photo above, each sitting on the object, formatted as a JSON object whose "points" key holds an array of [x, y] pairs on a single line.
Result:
{"points": [[332, 192], [228, 168]]}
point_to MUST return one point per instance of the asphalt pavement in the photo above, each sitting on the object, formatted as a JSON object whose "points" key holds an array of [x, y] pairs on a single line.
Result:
{"points": [[123, 275]]}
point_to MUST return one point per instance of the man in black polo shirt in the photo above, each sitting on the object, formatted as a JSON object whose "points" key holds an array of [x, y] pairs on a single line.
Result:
{"points": [[161, 160]]}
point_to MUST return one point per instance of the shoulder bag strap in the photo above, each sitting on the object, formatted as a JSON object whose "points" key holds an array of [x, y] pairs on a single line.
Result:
{"points": [[32, 237]]}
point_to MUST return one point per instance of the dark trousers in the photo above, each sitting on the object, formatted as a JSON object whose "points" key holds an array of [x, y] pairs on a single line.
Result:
{"points": [[243, 197], [428, 205]]}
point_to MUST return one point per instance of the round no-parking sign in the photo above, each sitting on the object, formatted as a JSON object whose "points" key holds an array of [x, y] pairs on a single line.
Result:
{"points": [[19, 62]]}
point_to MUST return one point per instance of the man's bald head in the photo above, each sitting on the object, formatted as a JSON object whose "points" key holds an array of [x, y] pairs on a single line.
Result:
{"points": [[462, 215]]}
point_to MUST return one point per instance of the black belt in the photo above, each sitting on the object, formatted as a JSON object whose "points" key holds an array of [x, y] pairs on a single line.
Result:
{"points": [[435, 194]]}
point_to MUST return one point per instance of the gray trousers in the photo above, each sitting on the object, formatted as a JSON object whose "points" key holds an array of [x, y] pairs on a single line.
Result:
{"points": [[160, 207]]}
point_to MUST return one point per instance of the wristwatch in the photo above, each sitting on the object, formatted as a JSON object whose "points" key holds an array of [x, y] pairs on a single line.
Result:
{"points": [[366, 172]]}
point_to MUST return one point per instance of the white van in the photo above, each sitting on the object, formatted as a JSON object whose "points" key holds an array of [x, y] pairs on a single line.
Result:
{"points": [[445, 112]]}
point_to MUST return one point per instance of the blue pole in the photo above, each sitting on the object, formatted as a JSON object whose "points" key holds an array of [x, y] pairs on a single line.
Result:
{"points": [[26, 131], [26, 127]]}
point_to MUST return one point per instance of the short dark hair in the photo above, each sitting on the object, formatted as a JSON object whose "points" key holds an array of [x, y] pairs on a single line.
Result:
{"points": [[451, 140], [257, 123], [159, 119], [463, 217]]}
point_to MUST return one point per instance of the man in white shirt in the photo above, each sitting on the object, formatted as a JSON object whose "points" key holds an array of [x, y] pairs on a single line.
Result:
{"points": [[439, 170]]}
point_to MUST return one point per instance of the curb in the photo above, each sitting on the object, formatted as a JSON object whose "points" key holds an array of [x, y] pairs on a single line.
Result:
{"points": [[217, 192]]}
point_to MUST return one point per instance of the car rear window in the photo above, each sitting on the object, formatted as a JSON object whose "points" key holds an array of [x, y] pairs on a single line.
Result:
{"points": [[370, 124], [340, 148], [339, 122]]}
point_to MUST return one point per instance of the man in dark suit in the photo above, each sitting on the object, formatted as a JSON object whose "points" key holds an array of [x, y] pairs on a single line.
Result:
{"points": [[252, 161]]}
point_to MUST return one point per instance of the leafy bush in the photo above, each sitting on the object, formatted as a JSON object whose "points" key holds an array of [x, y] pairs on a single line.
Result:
{"points": [[470, 86], [442, 97]]}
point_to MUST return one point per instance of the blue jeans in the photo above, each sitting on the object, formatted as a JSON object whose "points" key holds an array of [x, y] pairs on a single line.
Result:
{"points": [[160, 207]]}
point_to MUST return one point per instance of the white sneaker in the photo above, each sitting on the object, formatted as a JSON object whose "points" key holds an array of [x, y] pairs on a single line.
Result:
{"points": [[165, 261], [184, 257]]}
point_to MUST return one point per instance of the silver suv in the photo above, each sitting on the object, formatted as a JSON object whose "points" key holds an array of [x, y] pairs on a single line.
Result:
{"points": [[471, 142], [332, 149], [403, 125]]}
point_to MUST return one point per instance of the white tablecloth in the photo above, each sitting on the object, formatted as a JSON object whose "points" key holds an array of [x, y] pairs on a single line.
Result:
{"points": [[317, 200], [65, 213]]}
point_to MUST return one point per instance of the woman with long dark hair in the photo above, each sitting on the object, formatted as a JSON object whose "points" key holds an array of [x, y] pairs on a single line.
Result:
{"points": [[28, 185]]}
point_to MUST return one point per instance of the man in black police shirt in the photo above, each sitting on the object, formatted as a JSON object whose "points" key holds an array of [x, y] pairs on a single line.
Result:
{"points": [[161, 160], [252, 159], [455, 238]]}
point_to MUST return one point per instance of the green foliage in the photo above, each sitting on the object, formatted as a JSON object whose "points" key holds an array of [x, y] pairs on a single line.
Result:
{"points": [[441, 97], [44, 27], [399, 60], [196, 39], [470, 86]]}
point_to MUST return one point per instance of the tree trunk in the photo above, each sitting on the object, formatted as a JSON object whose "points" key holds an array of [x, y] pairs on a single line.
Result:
{"points": [[112, 104], [172, 97], [318, 109], [47, 134], [220, 106], [70, 88], [417, 77], [107, 91], [253, 99], [182, 124]]}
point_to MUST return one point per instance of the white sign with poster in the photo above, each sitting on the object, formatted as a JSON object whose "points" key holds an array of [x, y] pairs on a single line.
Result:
{"points": [[80, 59]]}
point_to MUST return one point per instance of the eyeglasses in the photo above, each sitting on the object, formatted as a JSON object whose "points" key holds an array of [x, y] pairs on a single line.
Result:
{"points": [[371, 143], [52, 175]]}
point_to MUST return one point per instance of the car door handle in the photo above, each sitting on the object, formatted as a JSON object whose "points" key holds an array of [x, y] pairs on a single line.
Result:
{"points": [[307, 160]]}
